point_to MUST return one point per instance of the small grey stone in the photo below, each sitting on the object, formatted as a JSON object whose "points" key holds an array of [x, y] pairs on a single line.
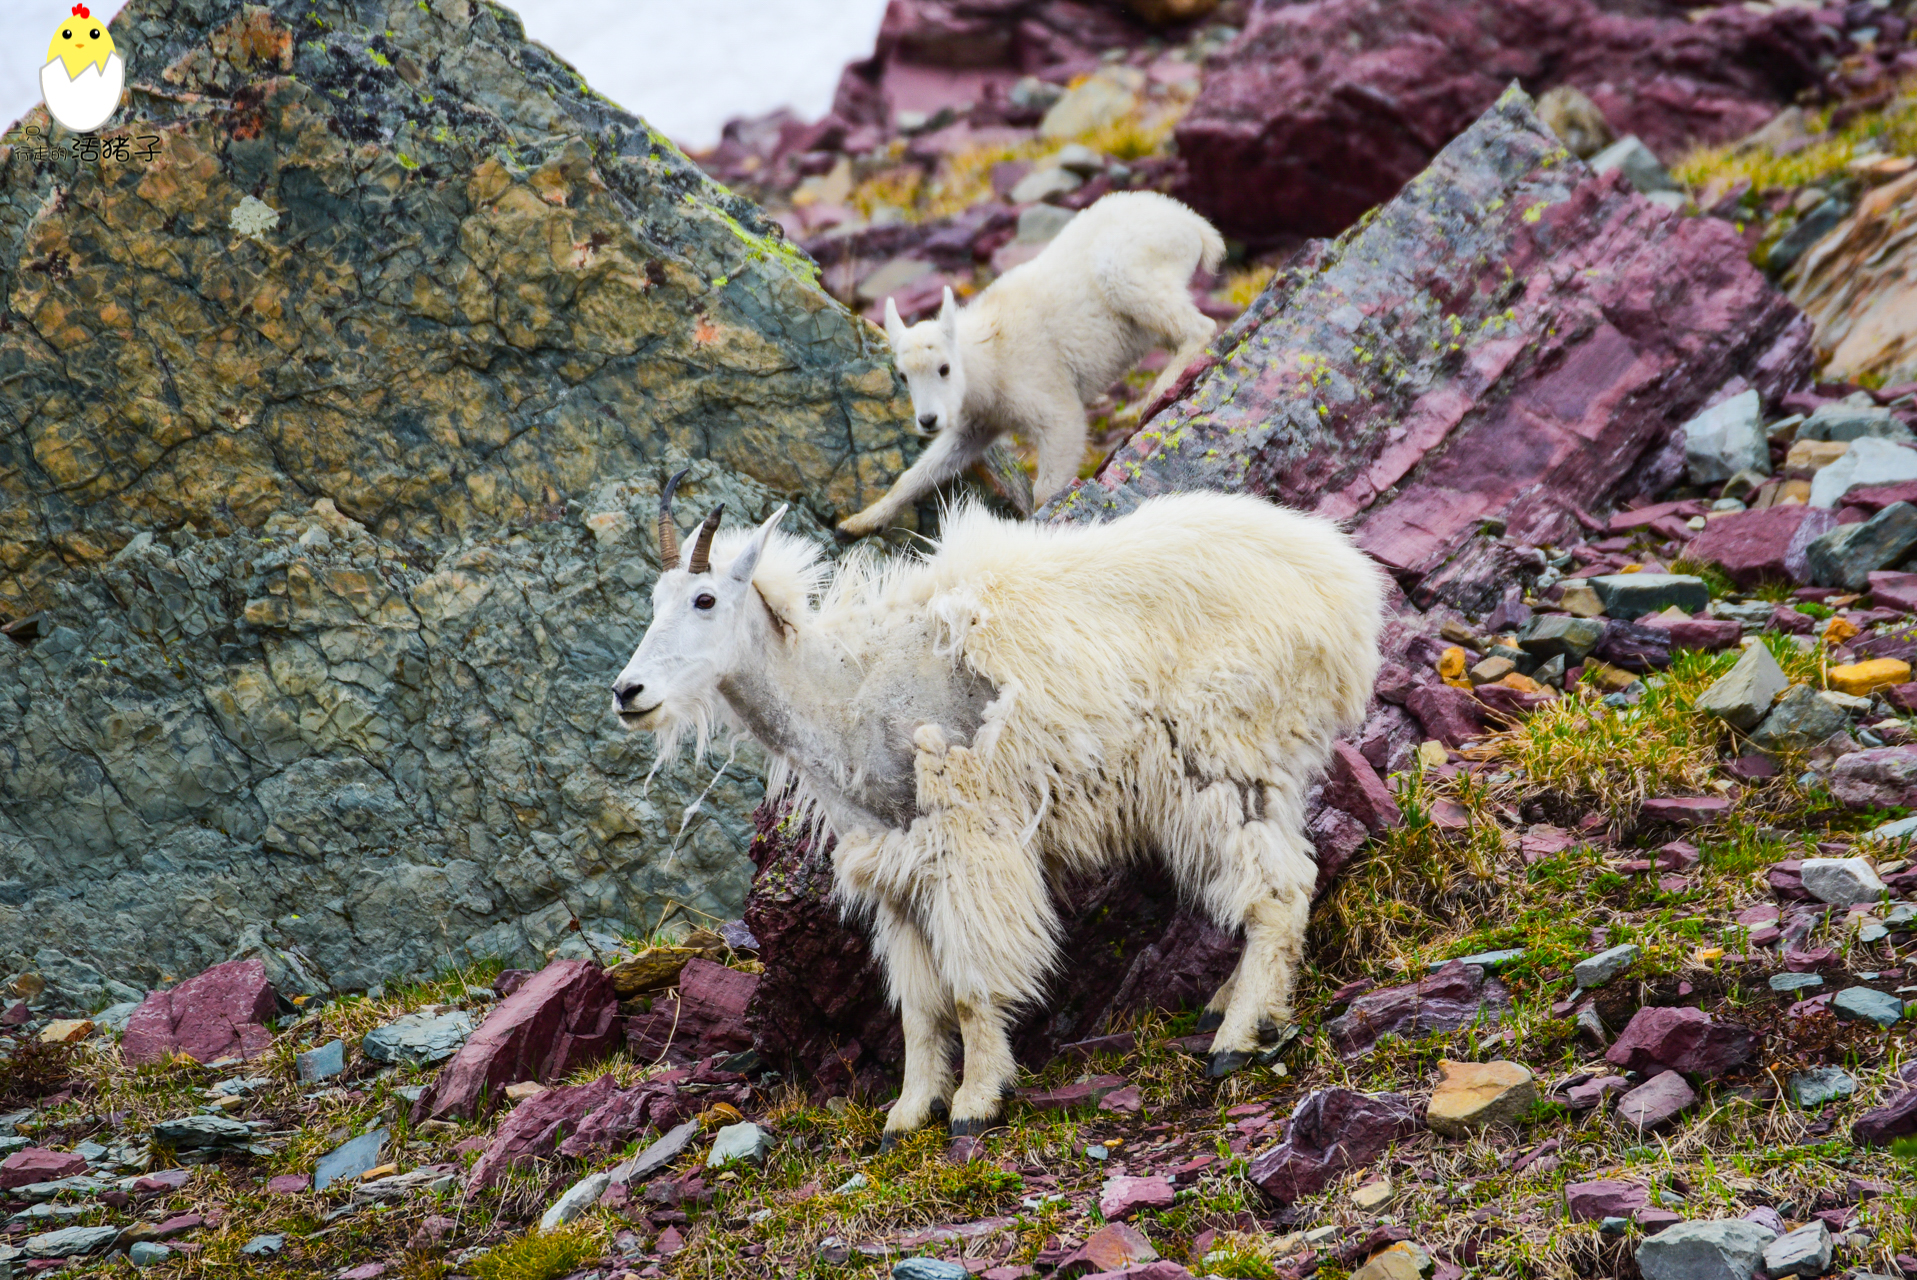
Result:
{"points": [[1725, 439], [1640, 165], [70, 1242], [579, 1197], [1554, 635], [1852, 418], [1043, 184], [144, 1253], [1842, 882], [834, 1252], [1615, 1228], [1803, 1252], [1814, 226], [928, 1269], [349, 1159], [1742, 696], [1632, 595], [1800, 720], [319, 1064], [1078, 158], [1821, 1085], [1722, 1249], [1594, 971], [191, 1133], [1486, 960], [1867, 1004], [263, 1246], [857, 1182], [1041, 222], [114, 1016], [420, 1039], [739, 1142], [1791, 982], [657, 1156]]}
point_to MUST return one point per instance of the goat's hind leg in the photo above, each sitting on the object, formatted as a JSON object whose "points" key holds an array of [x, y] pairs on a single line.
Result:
{"points": [[1261, 998], [1214, 1015], [989, 1069], [927, 1015]]}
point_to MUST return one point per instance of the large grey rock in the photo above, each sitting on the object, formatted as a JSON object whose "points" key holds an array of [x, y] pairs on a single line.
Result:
{"points": [[1842, 882], [1803, 1252], [1557, 635], [1742, 696], [491, 298], [928, 1269], [192, 1133], [420, 1039], [1867, 1004], [1723, 1249], [1725, 439], [1869, 460], [1847, 555], [1800, 720]]}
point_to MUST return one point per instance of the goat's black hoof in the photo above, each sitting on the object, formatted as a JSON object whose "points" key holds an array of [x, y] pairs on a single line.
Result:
{"points": [[971, 1128], [941, 1110], [1209, 1020], [887, 1141], [1225, 1062]]}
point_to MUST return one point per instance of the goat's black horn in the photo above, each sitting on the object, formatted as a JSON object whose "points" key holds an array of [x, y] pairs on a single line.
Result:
{"points": [[668, 531], [702, 546]]}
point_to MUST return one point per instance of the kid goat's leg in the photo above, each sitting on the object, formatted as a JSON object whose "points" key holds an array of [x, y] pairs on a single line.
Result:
{"points": [[953, 451], [926, 1012], [1060, 429]]}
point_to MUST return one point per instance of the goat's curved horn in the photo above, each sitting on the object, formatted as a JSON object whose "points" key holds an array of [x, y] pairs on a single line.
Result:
{"points": [[668, 531], [702, 546]]}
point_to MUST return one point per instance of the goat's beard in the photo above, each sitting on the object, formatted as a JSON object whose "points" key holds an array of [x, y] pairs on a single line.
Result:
{"points": [[700, 716]]}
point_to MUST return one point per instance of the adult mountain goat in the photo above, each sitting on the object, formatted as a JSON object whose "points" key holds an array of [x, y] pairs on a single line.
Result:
{"points": [[1028, 702], [1046, 338]]}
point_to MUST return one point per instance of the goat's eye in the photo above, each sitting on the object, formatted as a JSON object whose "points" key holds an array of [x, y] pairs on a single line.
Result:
{"points": [[945, 371], [703, 600]]}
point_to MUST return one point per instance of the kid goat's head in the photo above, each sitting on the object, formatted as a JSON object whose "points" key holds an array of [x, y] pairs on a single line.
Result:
{"points": [[697, 625], [928, 355]]}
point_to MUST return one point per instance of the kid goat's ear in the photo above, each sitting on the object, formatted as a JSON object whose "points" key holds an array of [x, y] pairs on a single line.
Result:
{"points": [[948, 314], [894, 327], [748, 560]]}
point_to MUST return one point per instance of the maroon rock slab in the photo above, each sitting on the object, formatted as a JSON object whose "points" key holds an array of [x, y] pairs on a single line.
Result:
{"points": [[1696, 633], [1457, 995], [289, 1184], [562, 1018], [1681, 1039], [1126, 1101], [1592, 1093], [1123, 1042], [1894, 590], [37, 1164], [706, 1016], [1451, 716], [1121, 1197], [1881, 1126], [1160, 1270], [164, 1182], [1656, 1102], [1080, 1093], [1757, 546], [1268, 146], [535, 1128], [1877, 777], [1355, 787], [1330, 1131], [1786, 880], [1688, 811], [1605, 1198], [221, 1013]]}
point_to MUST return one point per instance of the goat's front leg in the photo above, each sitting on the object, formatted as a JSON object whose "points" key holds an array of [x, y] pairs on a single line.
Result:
{"points": [[1274, 946], [1061, 446], [925, 1010], [989, 1069], [952, 452]]}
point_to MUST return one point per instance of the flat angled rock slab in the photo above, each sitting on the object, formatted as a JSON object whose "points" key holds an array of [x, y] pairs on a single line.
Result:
{"points": [[1370, 383], [1725, 1249]]}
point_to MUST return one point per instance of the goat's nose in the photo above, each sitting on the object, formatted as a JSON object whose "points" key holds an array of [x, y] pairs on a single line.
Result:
{"points": [[928, 420], [626, 693]]}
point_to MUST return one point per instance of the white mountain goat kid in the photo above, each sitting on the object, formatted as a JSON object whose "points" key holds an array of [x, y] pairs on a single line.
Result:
{"points": [[1029, 702], [1046, 338]]}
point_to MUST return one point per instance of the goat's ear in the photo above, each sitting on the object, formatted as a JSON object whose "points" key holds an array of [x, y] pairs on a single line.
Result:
{"points": [[948, 314], [742, 568], [894, 327]]}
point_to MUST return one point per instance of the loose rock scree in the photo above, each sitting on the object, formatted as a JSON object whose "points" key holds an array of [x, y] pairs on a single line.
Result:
{"points": [[1046, 338], [1027, 703]]}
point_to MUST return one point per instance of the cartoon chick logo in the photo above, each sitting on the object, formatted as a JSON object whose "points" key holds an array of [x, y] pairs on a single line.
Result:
{"points": [[84, 74]]}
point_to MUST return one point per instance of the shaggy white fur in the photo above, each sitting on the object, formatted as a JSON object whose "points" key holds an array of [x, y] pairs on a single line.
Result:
{"points": [[1046, 338], [1029, 701]]}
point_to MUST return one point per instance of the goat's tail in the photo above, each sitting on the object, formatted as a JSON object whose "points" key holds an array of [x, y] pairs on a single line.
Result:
{"points": [[1212, 253]]}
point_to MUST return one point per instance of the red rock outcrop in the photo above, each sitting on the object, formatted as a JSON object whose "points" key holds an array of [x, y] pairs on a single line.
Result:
{"points": [[1322, 110], [221, 1013]]}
